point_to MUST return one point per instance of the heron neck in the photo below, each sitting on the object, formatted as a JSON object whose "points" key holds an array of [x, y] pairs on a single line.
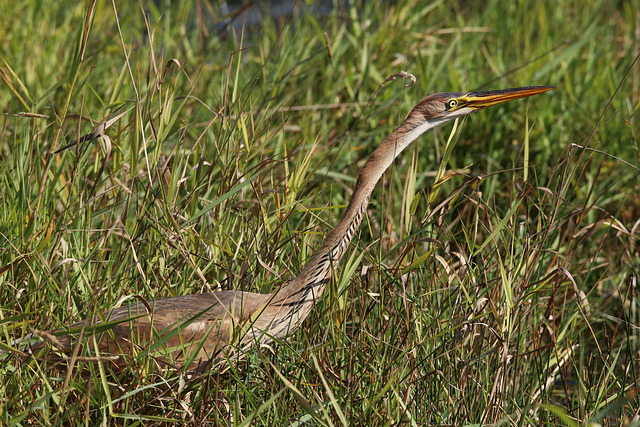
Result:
{"points": [[303, 291]]}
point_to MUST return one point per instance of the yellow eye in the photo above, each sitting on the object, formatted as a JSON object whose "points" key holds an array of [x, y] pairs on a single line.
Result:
{"points": [[452, 103]]}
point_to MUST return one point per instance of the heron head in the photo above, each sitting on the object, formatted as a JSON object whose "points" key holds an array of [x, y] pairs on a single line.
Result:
{"points": [[450, 105]]}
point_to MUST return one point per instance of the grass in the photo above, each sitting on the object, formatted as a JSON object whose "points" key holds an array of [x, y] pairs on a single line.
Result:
{"points": [[494, 281]]}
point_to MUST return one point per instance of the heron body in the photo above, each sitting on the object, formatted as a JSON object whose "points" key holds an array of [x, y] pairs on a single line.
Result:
{"points": [[194, 329]]}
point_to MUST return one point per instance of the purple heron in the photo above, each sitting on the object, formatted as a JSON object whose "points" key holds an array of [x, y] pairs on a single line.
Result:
{"points": [[195, 329]]}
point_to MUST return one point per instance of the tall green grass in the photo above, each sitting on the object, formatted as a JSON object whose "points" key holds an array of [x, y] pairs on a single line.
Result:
{"points": [[494, 281]]}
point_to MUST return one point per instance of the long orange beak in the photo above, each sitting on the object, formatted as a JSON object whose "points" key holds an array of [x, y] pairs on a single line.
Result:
{"points": [[479, 100]]}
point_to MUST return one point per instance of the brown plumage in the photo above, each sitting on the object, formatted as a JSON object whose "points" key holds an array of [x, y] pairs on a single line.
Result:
{"points": [[194, 329]]}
